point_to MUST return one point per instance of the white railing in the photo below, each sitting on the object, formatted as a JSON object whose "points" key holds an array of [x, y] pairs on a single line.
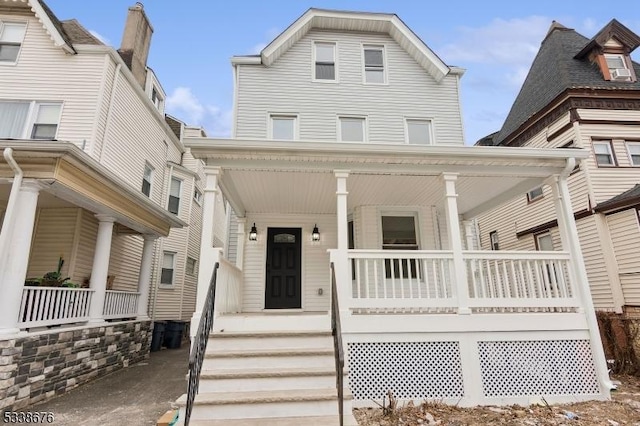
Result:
{"points": [[517, 280], [45, 306], [229, 288], [401, 279], [120, 304]]}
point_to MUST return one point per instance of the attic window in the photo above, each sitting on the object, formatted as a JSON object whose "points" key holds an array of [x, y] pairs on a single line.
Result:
{"points": [[325, 61], [618, 69], [11, 36]]}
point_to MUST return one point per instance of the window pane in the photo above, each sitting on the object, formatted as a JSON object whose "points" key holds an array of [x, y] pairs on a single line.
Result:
{"points": [[373, 57], [545, 242], [44, 131], [399, 230], [601, 148], [174, 204], [48, 114], [13, 116], [374, 76], [167, 260], [146, 187], [9, 52], [147, 173], [535, 193], [167, 276], [324, 52], [615, 61], [175, 187], [283, 127], [352, 129], [419, 132], [284, 238], [325, 72], [13, 33]]}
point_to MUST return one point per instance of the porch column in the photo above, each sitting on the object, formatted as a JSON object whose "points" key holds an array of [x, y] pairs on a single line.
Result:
{"points": [[242, 222], [144, 279], [100, 269], [455, 242], [340, 256], [569, 233], [342, 214], [17, 260]]}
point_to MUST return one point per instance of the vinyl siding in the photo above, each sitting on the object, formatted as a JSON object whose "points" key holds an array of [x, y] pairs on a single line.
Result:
{"points": [[287, 87], [232, 240], [53, 238], [595, 264], [124, 264], [86, 246], [625, 235]]}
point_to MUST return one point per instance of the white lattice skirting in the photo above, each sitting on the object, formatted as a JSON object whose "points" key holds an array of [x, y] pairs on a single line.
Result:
{"points": [[510, 371]]}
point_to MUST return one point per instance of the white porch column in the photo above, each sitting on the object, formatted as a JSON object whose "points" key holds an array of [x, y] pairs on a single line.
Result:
{"points": [[342, 214], [100, 269], [340, 256], [144, 279], [17, 261], [242, 223], [569, 233], [455, 242]]}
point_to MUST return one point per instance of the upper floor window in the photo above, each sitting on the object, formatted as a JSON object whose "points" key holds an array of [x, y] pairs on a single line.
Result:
{"points": [[11, 36], [197, 196], [147, 177], [324, 61], [174, 195], [157, 98], [352, 129], [283, 126], [618, 67], [29, 119], [604, 153], [493, 239], [191, 266], [418, 132], [168, 268], [534, 194], [634, 153], [374, 70]]}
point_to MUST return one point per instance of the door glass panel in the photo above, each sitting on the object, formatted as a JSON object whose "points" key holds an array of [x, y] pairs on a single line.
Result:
{"points": [[284, 238]]}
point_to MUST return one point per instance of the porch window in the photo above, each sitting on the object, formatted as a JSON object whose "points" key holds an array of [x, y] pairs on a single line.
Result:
{"points": [[493, 238], [29, 119], [634, 153], [174, 195], [418, 132], [399, 233], [11, 37], [283, 126], [544, 242], [146, 179], [168, 268], [374, 71], [325, 61], [604, 154], [352, 129]]}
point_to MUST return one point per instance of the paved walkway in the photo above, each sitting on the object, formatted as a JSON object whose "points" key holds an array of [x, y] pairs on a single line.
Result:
{"points": [[137, 395]]}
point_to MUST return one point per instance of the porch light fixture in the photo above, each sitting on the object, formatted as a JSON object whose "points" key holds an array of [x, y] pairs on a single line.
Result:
{"points": [[253, 234], [315, 234]]}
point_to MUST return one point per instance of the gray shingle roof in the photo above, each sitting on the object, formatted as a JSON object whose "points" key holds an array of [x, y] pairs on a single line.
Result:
{"points": [[553, 71], [78, 34], [626, 199]]}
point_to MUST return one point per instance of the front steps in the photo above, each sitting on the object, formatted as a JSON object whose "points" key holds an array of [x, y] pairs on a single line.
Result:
{"points": [[259, 377]]}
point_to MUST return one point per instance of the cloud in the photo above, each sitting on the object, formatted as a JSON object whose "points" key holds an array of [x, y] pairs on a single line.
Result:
{"points": [[100, 37], [268, 37], [184, 104]]}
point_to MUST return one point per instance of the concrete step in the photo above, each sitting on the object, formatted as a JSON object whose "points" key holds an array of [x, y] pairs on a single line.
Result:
{"points": [[266, 404], [262, 379], [274, 358], [269, 321], [225, 341]]}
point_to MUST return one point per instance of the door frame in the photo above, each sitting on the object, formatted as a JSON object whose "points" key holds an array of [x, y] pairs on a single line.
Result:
{"points": [[302, 229]]}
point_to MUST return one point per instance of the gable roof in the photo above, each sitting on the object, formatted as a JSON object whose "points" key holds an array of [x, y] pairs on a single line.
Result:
{"points": [[51, 24], [626, 199], [554, 70], [77, 34], [387, 23], [615, 30]]}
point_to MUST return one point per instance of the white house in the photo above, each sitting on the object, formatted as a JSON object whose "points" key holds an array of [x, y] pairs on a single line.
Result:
{"points": [[347, 155]]}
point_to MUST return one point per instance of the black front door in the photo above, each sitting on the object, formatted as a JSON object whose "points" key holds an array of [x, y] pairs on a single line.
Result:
{"points": [[284, 281]]}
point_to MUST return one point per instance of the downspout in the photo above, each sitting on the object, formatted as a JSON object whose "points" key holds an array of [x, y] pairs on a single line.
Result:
{"points": [[7, 224]]}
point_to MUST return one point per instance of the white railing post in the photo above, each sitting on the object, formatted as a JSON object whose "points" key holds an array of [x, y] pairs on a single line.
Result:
{"points": [[15, 267], [100, 269], [144, 278], [455, 242]]}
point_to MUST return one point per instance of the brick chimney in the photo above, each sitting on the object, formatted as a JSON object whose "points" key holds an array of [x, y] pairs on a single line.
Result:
{"points": [[136, 41]]}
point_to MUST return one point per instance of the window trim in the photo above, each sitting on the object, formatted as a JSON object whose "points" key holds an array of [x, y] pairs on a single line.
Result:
{"points": [[296, 126], [173, 273], [179, 197], [609, 143], [495, 245], [385, 74], [26, 28], [335, 62], [627, 145], [151, 171], [365, 124], [531, 199], [406, 130]]}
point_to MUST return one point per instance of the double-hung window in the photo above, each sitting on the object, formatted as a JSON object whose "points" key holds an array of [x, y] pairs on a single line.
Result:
{"points": [[175, 189], [11, 37], [191, 266], [29, 120], [283, 126], [399, 233], [352, 129], [374, 70], [493, 240], [634, 153], [168, 268], [617, 67], [418, 132], [324, 61], [147, 178], [604, 153]]}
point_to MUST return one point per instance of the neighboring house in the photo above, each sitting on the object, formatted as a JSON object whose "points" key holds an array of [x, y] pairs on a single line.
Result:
{"points": [[96, 174], [347, 155], [581, 93]]}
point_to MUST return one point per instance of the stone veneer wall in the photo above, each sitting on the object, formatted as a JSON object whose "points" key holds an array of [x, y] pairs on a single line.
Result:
{"points": [[41, 365]]}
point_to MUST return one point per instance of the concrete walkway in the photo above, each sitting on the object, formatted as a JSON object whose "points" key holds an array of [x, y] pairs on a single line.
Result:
{"points": [[136, 395]]}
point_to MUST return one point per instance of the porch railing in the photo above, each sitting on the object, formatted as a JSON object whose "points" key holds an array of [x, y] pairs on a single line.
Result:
{"points": [[120, 304], [519, 280], [229, 283], [45, 306], [336, 331]]}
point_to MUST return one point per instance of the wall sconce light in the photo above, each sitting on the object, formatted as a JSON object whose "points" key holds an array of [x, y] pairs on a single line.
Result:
{"points": [[253, 234], [315, 234]]}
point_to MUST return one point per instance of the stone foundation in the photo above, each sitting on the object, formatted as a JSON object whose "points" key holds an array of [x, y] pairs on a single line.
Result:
{"points": [[41, 365]]}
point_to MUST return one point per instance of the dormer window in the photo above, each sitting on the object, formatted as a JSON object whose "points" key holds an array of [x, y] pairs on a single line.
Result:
{"points": [[618, 69]]}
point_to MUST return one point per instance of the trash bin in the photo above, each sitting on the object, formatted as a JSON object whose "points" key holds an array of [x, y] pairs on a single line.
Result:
{"points": [[157, 338], [173, 334]]}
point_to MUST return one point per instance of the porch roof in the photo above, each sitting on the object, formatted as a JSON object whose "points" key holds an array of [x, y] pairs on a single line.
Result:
{"points": [[266, 176], [74, 177]]}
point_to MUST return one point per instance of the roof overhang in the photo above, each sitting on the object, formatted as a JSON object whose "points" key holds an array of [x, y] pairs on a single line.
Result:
{"points": [[386, 23], [71, 175]]}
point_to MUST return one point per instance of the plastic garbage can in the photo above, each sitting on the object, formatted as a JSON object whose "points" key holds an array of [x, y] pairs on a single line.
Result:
{"points": [[157, 337], [173, 334]]}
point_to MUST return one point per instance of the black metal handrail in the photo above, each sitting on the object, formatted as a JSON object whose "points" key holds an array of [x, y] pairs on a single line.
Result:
{"points": [[196, 358], [336, 331]]}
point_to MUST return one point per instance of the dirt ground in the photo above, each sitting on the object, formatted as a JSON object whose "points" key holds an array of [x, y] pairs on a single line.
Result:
{"points": [[623, 409]]}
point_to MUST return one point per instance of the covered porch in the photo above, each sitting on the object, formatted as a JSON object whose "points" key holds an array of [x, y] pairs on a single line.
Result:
{"points": [[396, 228]]}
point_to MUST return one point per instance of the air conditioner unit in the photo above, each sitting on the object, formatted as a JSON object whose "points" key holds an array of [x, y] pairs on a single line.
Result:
{"points": [[620, 74]]}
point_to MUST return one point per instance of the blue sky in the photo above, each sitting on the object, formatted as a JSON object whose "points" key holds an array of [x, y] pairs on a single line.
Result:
{"points": [[495, 41]]}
